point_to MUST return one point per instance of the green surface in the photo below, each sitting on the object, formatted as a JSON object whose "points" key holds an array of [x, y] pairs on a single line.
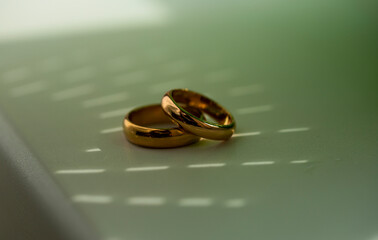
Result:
{"points": [[310, 66]]}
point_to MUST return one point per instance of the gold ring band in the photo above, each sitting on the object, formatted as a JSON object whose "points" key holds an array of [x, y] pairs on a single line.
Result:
{"points": [[136, 130], [222, 130]]}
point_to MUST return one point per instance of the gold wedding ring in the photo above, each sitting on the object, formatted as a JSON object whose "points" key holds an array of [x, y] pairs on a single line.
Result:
{"points": [[136, 128], [174, 104]]}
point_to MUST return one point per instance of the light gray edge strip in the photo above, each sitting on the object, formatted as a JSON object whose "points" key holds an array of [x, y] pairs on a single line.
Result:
{"points": [[41, 187]]}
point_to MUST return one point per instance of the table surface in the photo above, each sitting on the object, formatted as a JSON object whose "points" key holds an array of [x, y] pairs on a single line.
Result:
{"points": [[300, 80]]}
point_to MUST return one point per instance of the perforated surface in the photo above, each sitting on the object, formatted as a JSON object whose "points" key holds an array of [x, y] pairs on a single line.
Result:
{"points": [[300, 82]]}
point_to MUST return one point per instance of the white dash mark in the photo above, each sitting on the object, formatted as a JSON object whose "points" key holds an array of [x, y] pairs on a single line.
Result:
{"points": [[118, 97], [288, 130], [131, 78], [258, 163], [299, 161], [195, 202], [111, 130], [72, 92], [115, 113], [100, 199], [146, 201], [141, 169], [80, 171], [245, 90], [93, 150], [80, 74], [27, 89], [165, 86], [15, 75], [235, 203], [246, 134], [206, 165], [257, 109]]}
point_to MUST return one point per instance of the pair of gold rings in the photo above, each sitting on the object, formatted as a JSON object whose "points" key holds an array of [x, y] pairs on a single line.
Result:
{"points": [[187, 110]]}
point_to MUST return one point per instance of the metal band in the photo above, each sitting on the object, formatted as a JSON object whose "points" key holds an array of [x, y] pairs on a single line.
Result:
{"points": [[174, 102], [136, 130]]}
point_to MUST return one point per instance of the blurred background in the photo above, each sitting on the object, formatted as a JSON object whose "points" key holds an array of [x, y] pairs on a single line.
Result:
{"points": [[300, 78]]}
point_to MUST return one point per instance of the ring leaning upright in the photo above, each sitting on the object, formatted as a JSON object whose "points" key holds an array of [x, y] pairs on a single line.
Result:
{"points": [[174, 103]]}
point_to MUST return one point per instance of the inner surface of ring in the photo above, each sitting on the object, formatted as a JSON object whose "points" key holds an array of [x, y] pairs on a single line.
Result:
{"points": [[149, 115], [195, 100], [154, 114]]}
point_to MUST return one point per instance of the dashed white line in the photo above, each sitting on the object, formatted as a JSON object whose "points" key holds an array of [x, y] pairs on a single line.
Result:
{"points": [[72, 92], [111, 130], [258, 163], [16, 74], [288, 130], [256, 109], [99, 199], [93, 150], [27, 89], [245, 90], [115, 113], [299, 161], [235, 203], [100, 101], [195, 202], [145, 201], [80, 74], [246, 134], [79, 171], [150, 168], [206, 165]]}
